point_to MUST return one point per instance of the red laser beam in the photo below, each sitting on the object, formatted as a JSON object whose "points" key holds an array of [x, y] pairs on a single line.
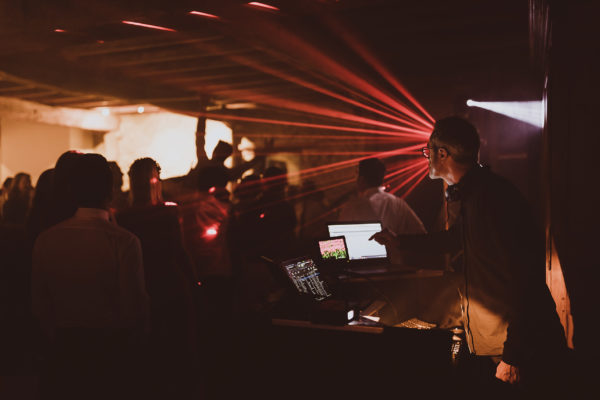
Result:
{"points": [[410, 178], [305, 124], [320, 217], [316, 110], [314, 220], [149, 26], [370, 58], [403, 175], [338, 70], [401, 169], [410, 189], [391, 139], [294, 79], [383, 154]]}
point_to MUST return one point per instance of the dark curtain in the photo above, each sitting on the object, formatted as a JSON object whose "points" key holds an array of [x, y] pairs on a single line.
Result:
{"points": [[565, 43]]}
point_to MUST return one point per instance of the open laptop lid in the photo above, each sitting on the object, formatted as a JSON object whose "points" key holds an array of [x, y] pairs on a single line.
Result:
{"points": [[306, 277], [361, 250]]}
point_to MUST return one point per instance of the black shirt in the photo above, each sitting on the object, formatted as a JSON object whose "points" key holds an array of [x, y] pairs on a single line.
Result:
{"points": [[507, 307]]}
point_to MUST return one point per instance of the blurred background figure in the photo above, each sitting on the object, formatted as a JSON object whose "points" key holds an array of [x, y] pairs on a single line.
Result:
{"points": [[40, 216], [169, 280], [206, 218], [64, 205], [278, 216], [4, 192], [119, 198], [315, 208], [18, 202], [254, 282]]}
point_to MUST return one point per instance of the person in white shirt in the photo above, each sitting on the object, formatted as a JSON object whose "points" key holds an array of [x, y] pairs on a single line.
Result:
{"points": [[88, 288], [373, 203]]}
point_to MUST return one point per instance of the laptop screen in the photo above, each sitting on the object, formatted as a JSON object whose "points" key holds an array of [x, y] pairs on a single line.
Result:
{"points": [[306, 277], [333, 248], [357, 236]]}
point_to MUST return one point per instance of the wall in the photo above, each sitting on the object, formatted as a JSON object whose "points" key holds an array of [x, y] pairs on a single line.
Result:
{"points": [[166, 137], [32, 147]]}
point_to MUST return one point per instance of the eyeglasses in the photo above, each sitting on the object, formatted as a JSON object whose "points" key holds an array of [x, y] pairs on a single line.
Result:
{"points": [[426, 152]]}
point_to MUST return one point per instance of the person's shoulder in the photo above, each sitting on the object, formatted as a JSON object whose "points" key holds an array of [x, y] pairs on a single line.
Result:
{"points": [[497, 188], [384, 196], [121, 234], [500, 184], [54, 229]]}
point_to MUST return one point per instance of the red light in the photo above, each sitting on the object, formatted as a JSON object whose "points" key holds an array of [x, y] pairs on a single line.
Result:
{"points": [[262, 5], [211, 232], [100, 41], [262, 216], [160, 28], [212, 190], [60, 30], [199, 283], [203, 14], [154, 180], [170, 204]]}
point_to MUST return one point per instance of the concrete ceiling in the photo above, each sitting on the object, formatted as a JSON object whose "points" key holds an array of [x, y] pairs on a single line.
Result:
{"points": [[79, 53]]}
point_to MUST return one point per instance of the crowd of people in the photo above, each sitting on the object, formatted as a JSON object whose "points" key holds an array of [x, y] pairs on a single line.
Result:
{"points": [[137, 294], [98, 280]]}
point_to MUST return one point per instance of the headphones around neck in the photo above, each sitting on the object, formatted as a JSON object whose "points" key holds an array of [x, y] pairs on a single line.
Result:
{"points": [[453, 193]]}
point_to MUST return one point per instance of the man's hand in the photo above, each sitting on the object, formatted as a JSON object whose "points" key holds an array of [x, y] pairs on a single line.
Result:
{"points": [[385, 237], [507, 373]]}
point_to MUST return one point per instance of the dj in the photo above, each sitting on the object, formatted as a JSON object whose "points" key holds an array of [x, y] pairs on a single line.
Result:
{"points": [[507, 310]]}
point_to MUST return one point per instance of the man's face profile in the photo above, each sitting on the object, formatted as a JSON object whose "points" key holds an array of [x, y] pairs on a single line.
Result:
{"points": [[434, 161]]}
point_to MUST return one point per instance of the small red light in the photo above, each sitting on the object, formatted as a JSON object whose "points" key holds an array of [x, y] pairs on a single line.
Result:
{"points": [[170, 203], [160, 28], [262, 216], [263, 5], [60, 30], [203, 14], [199, 283], [212, 190], [100, 41], [154, 180]]}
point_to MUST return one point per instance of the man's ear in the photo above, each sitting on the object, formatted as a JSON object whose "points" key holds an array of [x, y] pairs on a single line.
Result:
{"points": [[442, 153]]}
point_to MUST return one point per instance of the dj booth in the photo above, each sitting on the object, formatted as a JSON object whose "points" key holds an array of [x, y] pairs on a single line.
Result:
{"points": [[316, 342], [308, 349], [291, 358]]}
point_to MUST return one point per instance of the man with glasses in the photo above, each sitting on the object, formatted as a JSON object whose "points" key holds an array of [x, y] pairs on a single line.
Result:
{"points": [[508, 313]]}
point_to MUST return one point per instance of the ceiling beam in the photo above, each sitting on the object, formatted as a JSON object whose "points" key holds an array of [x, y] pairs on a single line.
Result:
{"points": [[72, 117]]}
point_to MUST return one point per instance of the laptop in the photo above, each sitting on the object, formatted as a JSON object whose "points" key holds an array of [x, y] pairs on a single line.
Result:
{"points": [[362, 252]]}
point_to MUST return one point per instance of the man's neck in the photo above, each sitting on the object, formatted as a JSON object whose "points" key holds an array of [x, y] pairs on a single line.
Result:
{"points": [[456, 173]]}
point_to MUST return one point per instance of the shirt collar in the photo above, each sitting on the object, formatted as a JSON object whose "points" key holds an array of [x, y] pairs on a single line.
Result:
{"points": [[92, 213], [470, 179], [371, 191]]}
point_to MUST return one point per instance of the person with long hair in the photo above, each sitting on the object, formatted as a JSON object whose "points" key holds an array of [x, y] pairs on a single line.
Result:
{"points": [[20, 195]]}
